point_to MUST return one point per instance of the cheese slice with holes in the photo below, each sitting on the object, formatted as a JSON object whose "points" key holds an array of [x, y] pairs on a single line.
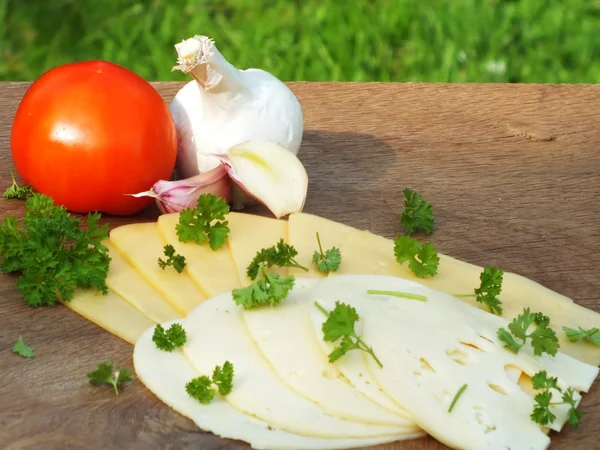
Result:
{"points": [[217, 333], [133, 287], [142, 245], [285, 337], [302, 234], [213, 271], [368, 253], [167, 373], [111, 312], [430, 349], [248, 235]]}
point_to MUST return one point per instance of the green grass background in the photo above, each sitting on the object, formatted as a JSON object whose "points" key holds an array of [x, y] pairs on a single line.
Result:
{"points": [[555, 41]]}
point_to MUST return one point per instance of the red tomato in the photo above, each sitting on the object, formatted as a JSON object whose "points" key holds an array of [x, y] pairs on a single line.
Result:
{"points": [[90, 132]]}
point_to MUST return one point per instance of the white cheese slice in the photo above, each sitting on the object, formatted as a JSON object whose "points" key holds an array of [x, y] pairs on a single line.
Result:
{"points": [[141, 244], [167, 373], [286, 339], [367, 253], [302, 234], [248, 235], [133, 287], [217, 333], [430, 349], [212, 270]]}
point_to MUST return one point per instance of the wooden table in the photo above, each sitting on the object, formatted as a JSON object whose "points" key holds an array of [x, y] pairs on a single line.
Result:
{"points": [[513, 172]]}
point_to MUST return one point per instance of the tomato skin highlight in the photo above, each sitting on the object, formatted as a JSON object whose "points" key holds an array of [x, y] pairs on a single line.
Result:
{"points": [[88, 133]]}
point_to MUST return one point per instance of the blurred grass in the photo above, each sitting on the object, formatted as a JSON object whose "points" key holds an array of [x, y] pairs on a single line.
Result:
{"points": [[328, 40]]}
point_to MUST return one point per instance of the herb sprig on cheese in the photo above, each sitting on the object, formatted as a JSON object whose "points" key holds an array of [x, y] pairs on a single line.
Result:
{"points": [[328, 260], [204, 389], [489, 289], [541, 413], [205, 222], [592, 335], [340, 325], [173, 259], [168, 340], [543, 338], [423, 259]]}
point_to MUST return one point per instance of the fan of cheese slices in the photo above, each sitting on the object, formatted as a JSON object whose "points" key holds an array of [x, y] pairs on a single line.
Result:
{"points": [[442, 372]]}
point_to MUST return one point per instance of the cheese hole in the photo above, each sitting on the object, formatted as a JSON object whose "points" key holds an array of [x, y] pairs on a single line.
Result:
{"points": [[486, 338], [425, 365], [468, 344], [526, 384], [512, 372], [459, 356], [497, 388]]}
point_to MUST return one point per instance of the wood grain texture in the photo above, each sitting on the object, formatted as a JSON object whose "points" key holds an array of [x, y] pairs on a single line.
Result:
{"points": [[513, 172]]}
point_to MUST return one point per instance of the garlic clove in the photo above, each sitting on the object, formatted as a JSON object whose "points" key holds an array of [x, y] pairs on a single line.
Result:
{"points": [[175, 196], [269, 173]]}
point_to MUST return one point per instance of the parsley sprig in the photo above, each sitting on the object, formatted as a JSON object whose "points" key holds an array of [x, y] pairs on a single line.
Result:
{"points": [[16, 191], [173, 259], [489, 289], [268, 288], [280, 254], [52, 253], [423, 259], [205, 222], [105, 373], [204, 389], [592, 335], [543, 338], [418, 213], [541, 412], [168, 340], [23, 350], [328, 260], [340, 325]]}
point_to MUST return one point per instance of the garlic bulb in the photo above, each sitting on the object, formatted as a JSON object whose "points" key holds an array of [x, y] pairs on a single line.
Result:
{"points": [[224, 106]]}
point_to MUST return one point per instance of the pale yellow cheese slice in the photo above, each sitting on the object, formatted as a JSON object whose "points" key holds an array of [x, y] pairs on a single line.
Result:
{"points": [[302, 234], [142, 245], [368, 253], [249, 234], [133, 287], [212, 270], [111, 312]]}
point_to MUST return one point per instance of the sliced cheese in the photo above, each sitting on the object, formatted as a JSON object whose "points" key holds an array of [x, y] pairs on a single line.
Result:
{"points": [[368, 253], [111, 312], [133, 287], [166, 373], [286, 339], [249, 234], [213, 271], [302, 234], [217, 333], [430, 349], [142, 245]]}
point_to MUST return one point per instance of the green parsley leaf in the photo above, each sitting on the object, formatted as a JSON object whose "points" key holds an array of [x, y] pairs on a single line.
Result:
{"points": [[280, 254], [205, 223], [170, 339], [422, 260], [270, 289], [592, 335], [205, 389], [16, 191], [340, 324], [543, 338], [543, 400], [489, 289], [173, 259], [223, 378], [417, 215], [23, 350], [52, 253], [105, 373], [327, 261], [201, 389]]}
